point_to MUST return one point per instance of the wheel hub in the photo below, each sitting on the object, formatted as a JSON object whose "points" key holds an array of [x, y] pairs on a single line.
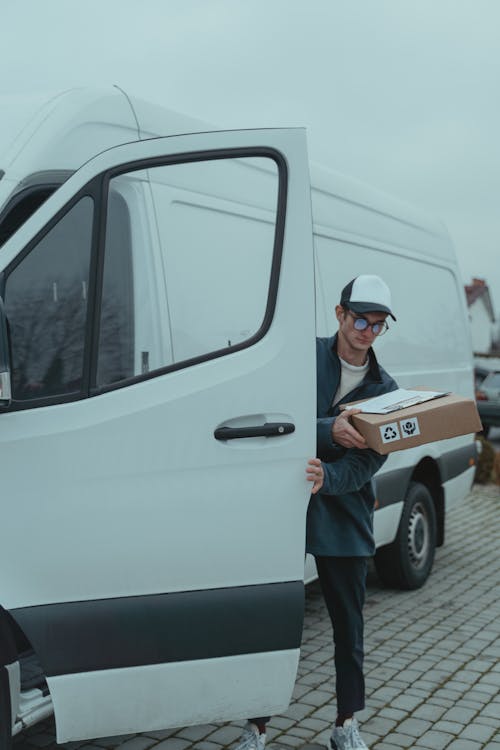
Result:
{"points": [[418, 536]]}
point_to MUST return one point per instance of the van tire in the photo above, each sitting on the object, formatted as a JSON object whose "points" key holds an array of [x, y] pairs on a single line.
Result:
{"points": [[407, 562], [5, 711]]}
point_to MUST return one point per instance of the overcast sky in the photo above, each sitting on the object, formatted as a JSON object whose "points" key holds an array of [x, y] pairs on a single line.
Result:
{"points": [[403, 94]]}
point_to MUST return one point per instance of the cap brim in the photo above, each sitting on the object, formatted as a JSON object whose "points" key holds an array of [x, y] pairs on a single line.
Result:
{"points": [[364, 307]]}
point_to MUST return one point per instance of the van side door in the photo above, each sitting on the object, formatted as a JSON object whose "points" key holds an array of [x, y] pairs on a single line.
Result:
{"points": [[161, 315]]}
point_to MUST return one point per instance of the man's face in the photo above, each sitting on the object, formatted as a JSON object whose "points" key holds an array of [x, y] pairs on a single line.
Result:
{"points": [[359, 341]]}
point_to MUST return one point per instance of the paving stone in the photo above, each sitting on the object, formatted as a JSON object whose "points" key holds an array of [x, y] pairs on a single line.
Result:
{"points": [[379, 726], [315, 725], [414, 727], [478, 732], [396, 739], [196, 733], [406, 702], [488, 721], [459, 714], [317, 698], [290, 740], [139, 742], [491, 710], [111, 741], [225, 735], [297, 711], [161, 734], [435, 740], [176, 743], [281, 722]]}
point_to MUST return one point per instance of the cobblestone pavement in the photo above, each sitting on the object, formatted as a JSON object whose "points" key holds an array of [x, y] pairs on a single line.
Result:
{"points": [[432, 661]]}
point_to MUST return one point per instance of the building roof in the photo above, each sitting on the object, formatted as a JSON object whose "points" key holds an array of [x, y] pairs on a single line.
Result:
{"points": [[478, 289]]}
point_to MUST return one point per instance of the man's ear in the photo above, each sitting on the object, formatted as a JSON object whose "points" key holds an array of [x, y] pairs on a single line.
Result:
{"points": [[339, 313]]}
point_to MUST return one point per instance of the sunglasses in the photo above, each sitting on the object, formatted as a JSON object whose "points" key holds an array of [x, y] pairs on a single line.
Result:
{"points": [[361, 324]]}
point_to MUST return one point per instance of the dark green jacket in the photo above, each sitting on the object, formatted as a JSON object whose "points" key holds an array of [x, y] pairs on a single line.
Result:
{"points": [[340, 517]]}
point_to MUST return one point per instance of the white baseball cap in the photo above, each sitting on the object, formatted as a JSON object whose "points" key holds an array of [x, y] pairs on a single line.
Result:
{"points": [[367, 293]]}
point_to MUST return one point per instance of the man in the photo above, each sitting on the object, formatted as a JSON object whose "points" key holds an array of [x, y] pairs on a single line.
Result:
{"points": [[340, 513]]}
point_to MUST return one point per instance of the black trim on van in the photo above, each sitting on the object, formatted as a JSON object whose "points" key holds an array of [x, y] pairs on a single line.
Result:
{"points": [[8, 650], [392, 486], [455, 462], [133, 631]]}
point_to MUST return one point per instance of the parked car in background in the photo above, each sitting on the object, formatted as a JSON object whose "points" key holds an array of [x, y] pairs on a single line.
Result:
{"points": [[479, 375], [488, 401]]}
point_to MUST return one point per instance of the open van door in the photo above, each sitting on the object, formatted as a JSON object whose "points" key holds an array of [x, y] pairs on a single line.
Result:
{"points": [[160, 309]]}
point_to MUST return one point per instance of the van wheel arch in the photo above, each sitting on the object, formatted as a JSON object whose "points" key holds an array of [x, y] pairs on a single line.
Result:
{"points": [[407, 562], [427, 472]]}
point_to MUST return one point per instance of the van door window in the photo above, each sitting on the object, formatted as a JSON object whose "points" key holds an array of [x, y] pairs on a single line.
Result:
{"points": [[187, 271], [46, 306]]}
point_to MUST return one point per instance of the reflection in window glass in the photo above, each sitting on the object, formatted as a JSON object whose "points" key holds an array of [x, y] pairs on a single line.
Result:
{"points": [[46, 306], [187, 265]]}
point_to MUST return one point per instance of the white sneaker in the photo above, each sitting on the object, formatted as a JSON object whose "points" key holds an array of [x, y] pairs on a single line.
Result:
{"points": [[251, 738], [347, 737]]}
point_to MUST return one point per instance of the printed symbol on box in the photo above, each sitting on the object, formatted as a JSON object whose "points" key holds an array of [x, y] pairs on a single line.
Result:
{"points": [[409, 427], [389, 432]]}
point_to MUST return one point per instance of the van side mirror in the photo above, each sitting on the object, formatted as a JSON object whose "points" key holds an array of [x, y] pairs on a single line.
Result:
{"points": [[5, 388]]}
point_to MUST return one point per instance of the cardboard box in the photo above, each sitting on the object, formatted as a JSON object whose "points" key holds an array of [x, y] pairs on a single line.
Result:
{"points": [[437, 419]]}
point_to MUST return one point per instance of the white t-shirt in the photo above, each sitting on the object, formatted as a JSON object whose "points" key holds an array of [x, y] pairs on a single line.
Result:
{"points": [[351, 376]]}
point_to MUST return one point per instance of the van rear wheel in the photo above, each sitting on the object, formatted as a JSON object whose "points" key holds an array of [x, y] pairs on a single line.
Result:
{"points": [[5, 711], [407, 562]]}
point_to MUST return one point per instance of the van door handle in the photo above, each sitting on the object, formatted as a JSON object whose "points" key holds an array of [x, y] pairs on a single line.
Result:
{"points": [[269, 429]]}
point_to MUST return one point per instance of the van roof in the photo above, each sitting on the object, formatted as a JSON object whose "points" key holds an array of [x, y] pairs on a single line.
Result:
{"points": [[380, 217], [60, 130]]}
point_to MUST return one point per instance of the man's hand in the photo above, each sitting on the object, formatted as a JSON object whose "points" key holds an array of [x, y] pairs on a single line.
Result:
{"points": [[344, 433], [315, 474]]}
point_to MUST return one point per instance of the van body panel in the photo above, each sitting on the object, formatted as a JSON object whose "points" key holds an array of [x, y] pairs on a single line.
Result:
{"points": [[456, 488], [386, 522], [134, 504], [178, 694]]}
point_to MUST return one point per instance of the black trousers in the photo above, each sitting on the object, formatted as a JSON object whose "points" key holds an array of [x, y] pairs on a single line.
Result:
{"points": [[343, 583]]}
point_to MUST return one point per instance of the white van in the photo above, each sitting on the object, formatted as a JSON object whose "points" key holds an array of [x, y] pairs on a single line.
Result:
{"points": [[160, 300]]}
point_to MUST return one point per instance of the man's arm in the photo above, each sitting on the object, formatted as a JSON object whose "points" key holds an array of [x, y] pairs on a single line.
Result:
{"points": [[351, 472]]}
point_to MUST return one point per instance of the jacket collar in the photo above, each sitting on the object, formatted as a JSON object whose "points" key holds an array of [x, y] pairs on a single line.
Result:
{"points": [[373, 366]]}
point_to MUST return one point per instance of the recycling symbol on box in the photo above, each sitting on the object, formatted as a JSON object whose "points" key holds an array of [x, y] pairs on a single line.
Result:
{"points": [[389, 432]]}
